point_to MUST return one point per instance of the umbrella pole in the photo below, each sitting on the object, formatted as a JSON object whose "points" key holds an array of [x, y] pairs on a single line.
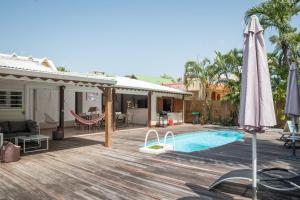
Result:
{"points": [[254, 166], [294, 142]]}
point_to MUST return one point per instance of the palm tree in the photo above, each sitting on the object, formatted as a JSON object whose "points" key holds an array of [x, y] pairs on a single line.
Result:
{"points": [[228, 68], [278, 14], [201, 73]]}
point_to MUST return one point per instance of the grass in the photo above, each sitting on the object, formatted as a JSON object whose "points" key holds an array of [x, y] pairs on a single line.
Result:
{"points": [[155, 147]]}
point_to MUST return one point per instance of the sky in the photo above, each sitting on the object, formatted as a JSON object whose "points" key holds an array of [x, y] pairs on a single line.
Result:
{"points": [[120, 37]]}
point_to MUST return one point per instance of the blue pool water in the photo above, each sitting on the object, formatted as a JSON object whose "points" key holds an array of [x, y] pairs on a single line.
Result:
{"points": [[201, 140]]}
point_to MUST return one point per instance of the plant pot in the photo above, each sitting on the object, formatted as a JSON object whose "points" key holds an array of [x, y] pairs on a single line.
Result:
{"points": [[58, 134]]}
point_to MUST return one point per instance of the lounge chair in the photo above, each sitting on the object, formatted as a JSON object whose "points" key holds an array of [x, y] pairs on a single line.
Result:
{"points": [[274, 178], [288, 142], [288, 130]]}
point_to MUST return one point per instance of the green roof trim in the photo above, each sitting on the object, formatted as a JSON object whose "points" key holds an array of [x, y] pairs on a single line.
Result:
{"points": [[154, 79]]}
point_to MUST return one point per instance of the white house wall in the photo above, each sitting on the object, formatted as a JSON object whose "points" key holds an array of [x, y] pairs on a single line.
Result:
{"points": [[87, 104], [177, 117], [13, 113], [46, 104]]}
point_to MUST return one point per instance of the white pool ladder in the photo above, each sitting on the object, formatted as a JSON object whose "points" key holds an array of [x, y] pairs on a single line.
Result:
{"points": [[166, 135], [165, 138], [150, 131]]}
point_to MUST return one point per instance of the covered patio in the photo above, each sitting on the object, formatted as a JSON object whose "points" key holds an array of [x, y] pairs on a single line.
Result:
{"points": [[33, 89], [121, 172], [35, 83]]}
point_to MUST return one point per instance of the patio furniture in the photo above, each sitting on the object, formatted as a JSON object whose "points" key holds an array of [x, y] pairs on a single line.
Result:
{"points": [[288, 142], [121, 120], [93, 110], [9, 152], [288, 130], [85, 121], [278, 179], [33, 138], [162, 119], [12, 129]]}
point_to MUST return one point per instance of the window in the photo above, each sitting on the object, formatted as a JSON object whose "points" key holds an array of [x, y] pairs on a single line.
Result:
{"points": [[167, 105], [11, 99], [142, 103]]}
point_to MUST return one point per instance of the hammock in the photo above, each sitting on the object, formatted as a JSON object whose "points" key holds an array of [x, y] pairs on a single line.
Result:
{"points": [[85, 121], [49, 119]]}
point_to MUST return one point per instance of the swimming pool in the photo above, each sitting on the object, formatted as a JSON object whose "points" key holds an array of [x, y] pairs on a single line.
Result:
{"points": [[201, 140]]}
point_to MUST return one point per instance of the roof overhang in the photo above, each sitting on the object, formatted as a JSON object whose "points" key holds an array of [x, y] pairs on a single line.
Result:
{"points": [[150, 90], [56, 77]]}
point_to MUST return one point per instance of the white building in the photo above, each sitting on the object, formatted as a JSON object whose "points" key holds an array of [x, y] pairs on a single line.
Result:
{"points": [[30, 89]]}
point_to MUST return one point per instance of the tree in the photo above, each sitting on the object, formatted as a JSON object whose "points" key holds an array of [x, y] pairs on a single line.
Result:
{"points": [[132, 76], [278, 14], [166, 76], [228, 67], [179, 80], [62, 69], [201, 73], [204, 76]]}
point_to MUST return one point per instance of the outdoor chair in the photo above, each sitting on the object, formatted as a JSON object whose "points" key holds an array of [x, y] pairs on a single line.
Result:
{"points": [[288, 130], [277, 179], [121, 120], [288, 141]]}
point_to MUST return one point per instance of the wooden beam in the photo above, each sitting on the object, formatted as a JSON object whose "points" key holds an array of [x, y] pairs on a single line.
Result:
{"points": [[149, 108], [114, 99], [183, 109], [108, 116], [62, 108]]}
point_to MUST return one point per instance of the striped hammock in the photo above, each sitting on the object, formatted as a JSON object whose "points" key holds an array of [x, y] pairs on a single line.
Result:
{"points": [[85, 121]]}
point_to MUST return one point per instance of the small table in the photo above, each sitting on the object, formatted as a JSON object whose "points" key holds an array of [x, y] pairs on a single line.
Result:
{"points": [[37, 138]]}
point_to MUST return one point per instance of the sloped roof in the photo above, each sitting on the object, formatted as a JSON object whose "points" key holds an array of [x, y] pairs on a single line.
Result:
{"points": [[128, 83], [28, 63], [45, 70]]}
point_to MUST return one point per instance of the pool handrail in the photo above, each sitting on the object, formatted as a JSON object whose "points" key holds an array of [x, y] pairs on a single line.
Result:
{"points": [[150, 131], [165, 139]]}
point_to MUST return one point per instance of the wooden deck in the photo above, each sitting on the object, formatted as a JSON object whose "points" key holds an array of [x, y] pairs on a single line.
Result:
{"points": [[81, 168]]}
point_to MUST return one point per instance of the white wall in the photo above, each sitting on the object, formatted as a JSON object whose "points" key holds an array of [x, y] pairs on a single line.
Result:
{"points": [[140, 115], [13, 113], [177, 117], [48, 102], [87, 104]]}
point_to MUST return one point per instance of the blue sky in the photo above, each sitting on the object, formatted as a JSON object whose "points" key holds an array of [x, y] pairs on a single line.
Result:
{"points": [[123, 36]]}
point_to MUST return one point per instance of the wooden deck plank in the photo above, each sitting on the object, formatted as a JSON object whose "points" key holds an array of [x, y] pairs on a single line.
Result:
{"points": [[81, 168]]}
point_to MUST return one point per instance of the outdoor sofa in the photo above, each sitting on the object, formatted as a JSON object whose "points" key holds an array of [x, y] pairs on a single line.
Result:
{"points": [[12, 129]]}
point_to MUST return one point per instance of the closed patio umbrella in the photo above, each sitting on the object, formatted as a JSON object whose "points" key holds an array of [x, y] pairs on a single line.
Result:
{"points": [[256, 101], [292, 104]]}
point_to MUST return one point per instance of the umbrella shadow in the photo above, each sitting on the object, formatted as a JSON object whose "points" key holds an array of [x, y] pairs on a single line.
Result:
{"points": [[202, 193]]}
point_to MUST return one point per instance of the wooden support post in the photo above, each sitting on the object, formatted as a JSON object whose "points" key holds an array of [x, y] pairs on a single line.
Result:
{"points": [[108, 116], [122, 104], [62, 108], [149, 109], [183, 109], [114, 99]]}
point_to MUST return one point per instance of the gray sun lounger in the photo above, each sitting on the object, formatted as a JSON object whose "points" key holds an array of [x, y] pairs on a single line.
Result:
{"points": [[273, 178]]}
